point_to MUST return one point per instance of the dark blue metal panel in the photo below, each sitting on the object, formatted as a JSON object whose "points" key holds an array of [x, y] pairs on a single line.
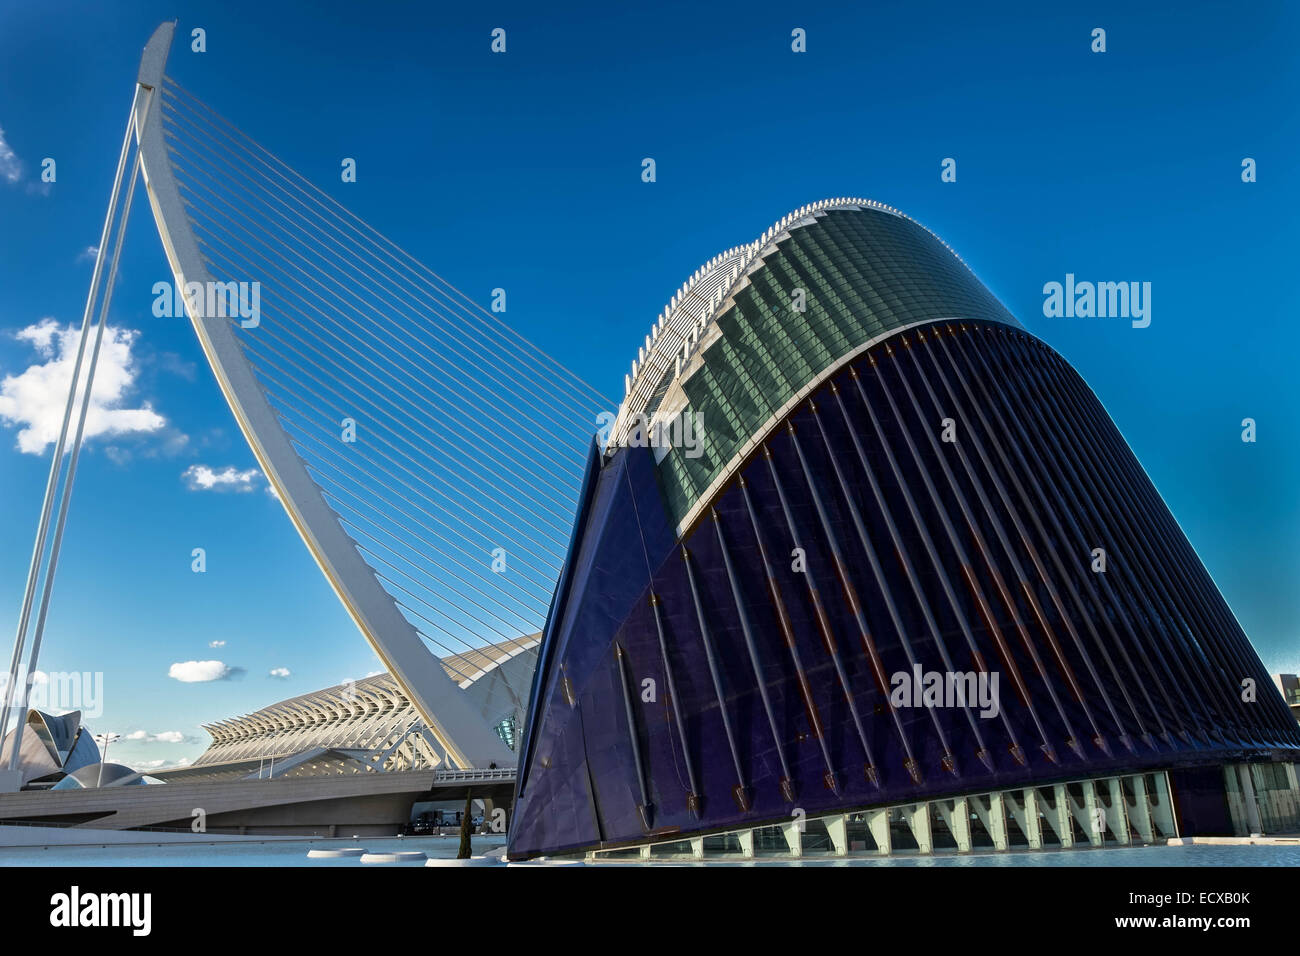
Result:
{"points": [[731, 701]]}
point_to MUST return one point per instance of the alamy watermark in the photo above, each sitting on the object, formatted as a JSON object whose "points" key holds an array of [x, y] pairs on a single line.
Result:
{"points": [[210, 300], [1102, 300], [75, 908], [58, 692], [921, 688], [684, 431]]}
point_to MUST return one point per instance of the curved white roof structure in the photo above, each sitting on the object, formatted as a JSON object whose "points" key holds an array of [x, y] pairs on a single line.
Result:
{"points": [[682, 329], [96, 775], [52, 745], [363, 726]]}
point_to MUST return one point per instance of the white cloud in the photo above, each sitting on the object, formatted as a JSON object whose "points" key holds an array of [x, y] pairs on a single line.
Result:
{"points": [[35, 399], [280, 673], [230, 478], [89, 254], [216, 643], [195, 672], [169, 444], [11, 170], [166, 737], [159, 764]]}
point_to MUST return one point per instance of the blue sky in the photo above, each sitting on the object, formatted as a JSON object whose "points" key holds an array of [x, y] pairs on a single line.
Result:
{"points": [[522, 171]]}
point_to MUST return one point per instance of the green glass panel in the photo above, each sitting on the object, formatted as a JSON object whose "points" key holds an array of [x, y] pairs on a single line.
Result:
{"points": [[864, 273]]}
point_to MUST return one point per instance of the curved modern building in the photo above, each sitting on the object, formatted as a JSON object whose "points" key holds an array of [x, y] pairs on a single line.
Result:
{"points": [[363, 726], [96, 775], [865, 561], [52, 748]]}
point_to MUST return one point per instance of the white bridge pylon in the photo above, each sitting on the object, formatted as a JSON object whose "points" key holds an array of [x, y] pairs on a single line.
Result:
{"points": [[463, 732]]}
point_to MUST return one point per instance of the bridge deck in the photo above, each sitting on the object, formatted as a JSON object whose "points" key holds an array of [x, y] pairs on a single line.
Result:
{"points": [[306, 804]]}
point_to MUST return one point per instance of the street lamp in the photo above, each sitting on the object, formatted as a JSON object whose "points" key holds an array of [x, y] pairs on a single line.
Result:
{"points": [[104, 740], [270, 738]]}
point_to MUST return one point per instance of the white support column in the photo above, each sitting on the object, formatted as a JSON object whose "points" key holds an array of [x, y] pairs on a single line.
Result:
{"points": [[793, 833], [1025, 812], [746, 838], [1162, 807], [1235, 804], [956, 815], [878, 823], [1032, 812], [645, 851], [961, 817], [1117, 812], [697, 848], [1272, 800], [1264, 801], [998, 816], [1248, 798], [1064, 819], [1287, 808], [918, 821], [1050, 816], [838, 829], [1280, 802], [11, 778], [1140, 809], [1086, 814], [1293, 795], [23, 686], [992, 812]]}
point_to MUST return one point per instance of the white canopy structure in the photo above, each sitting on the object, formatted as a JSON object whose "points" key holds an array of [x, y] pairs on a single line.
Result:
{"points": [[51, 747], [362, 726]]}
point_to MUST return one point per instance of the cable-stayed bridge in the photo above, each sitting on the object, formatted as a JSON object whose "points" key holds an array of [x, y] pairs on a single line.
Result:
{"points": [[387, 410]]}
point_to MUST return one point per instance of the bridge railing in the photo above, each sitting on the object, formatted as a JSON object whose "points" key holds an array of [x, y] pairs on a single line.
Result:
{"points": [[474, 776]]}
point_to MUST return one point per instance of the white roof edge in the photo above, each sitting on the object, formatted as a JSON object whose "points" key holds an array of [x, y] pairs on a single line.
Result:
{"points": [[676, 332]]}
